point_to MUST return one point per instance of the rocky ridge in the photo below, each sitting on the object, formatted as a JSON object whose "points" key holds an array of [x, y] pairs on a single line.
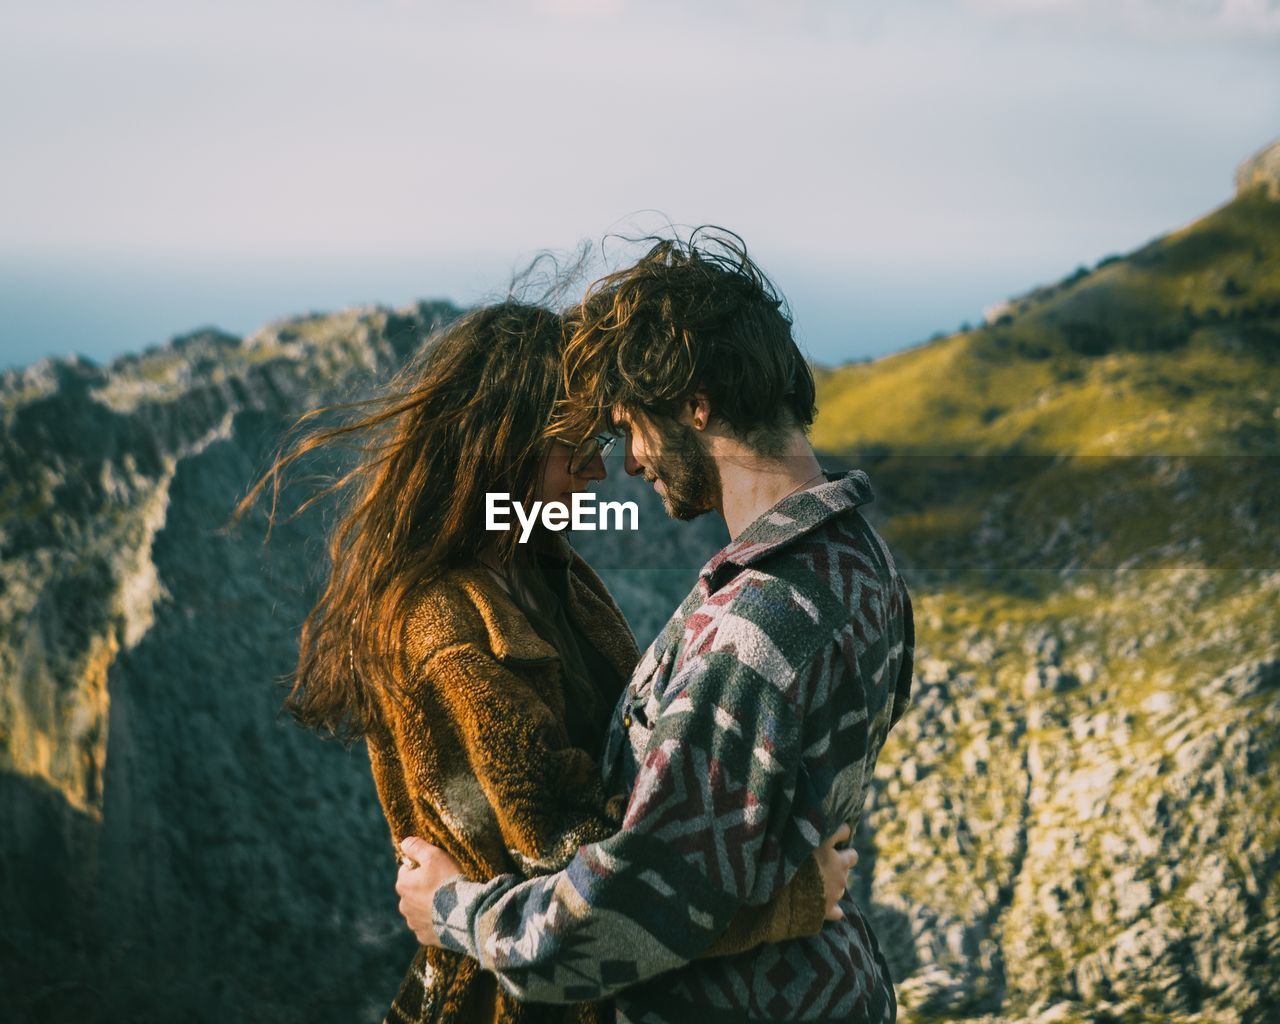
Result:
{"points": [[1262, 170], [173, 847]]}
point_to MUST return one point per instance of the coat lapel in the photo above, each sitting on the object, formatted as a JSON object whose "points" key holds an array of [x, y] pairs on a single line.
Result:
{"points": [[511, 638], [600, 619]]}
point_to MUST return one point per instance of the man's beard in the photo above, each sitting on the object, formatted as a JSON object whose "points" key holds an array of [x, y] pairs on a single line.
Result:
{"points": [[690, 477]]}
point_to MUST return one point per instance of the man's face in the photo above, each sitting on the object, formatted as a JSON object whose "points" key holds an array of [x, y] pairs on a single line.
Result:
{"points": [[671, 455]]}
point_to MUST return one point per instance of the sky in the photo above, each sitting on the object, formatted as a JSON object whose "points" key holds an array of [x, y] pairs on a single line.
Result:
{"points": [[895, 167]]}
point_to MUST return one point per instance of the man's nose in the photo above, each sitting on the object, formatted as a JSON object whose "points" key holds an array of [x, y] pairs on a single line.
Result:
{"points": [[630, 463]]}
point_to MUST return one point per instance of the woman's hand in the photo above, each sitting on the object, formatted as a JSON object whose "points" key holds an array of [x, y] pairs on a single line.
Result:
{"points": [[423, 869], [835, 866]]}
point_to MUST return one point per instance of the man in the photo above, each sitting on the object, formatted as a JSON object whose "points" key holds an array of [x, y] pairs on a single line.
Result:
{"points": [[751, 728]]}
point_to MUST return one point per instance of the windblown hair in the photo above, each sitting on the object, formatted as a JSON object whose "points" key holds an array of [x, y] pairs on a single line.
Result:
{"points": [[470, 415], [689, 316]]}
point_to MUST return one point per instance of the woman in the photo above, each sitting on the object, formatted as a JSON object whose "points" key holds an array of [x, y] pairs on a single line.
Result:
{"points": [[480, 672]]}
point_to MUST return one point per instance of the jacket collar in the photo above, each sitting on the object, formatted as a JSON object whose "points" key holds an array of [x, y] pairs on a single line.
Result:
{"points": [[512, 639], [788, 520]]}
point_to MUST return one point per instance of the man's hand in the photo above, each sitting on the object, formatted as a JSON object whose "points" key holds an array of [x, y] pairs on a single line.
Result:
{"points": [[423, 869], [835, 866]]}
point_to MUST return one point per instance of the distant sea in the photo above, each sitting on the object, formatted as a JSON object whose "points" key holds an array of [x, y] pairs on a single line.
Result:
{"points": [[102, 308]]}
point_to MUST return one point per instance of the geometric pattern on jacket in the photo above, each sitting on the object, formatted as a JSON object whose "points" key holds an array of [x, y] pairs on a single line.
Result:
{"points": [[749, 732]]}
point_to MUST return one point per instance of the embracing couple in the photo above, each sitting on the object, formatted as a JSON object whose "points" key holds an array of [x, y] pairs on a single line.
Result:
{"points": [[587, 833]]}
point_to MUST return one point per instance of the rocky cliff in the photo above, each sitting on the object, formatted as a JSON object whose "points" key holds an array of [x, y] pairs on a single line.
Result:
{"points": [[171, 848], [1077, 820]]}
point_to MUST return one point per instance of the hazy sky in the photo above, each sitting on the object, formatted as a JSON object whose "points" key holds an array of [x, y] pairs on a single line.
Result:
{"points": [[895, 166]]}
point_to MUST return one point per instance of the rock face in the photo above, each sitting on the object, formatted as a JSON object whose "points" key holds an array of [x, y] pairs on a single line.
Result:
{"points": [[171, 848], [1072, 817], [1261, 171]]}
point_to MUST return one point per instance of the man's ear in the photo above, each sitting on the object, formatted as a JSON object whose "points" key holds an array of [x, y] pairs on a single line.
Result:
{"points": [[699, 407]]}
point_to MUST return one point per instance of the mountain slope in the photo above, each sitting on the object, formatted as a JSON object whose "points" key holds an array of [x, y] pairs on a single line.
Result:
{"points": [[1077, 821]]}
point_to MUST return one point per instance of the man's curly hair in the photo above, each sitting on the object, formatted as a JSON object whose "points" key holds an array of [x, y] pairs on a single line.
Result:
{"points": [[690, 316]]}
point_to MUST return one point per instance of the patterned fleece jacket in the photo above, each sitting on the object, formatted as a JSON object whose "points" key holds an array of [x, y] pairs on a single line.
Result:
{"points": [[475, 757], [749, 731]]}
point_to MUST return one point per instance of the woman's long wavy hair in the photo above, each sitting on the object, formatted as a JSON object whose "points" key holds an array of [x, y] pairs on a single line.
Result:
{"points": [[469, 416]]}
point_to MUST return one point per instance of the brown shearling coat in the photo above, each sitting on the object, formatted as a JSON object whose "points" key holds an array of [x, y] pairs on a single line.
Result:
{"points": [[475, 758]]}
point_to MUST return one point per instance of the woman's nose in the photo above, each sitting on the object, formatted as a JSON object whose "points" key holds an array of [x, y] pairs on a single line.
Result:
{"points": [[594, 470]]}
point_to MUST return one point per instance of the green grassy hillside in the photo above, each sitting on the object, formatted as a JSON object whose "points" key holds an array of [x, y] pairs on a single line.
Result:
{"points": [[1171, 349]]}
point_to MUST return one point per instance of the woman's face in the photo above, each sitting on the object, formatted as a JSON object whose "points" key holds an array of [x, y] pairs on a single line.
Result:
{"points": [[558, 484]]}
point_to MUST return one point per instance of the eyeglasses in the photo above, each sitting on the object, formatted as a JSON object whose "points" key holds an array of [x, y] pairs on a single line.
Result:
{"points": [[601, 444]]}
